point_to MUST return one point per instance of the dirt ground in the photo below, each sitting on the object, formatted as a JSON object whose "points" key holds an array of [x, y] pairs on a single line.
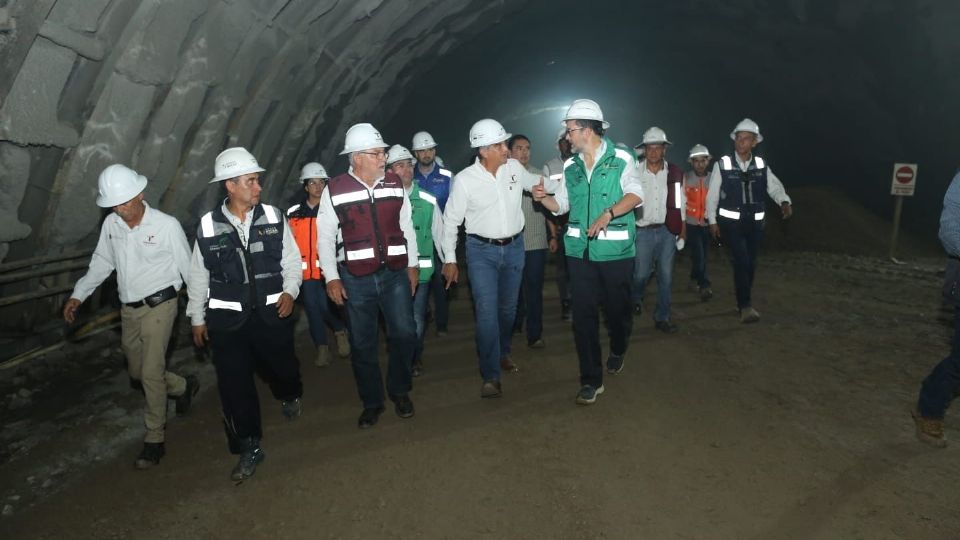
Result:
{"points": [[795, 427]]}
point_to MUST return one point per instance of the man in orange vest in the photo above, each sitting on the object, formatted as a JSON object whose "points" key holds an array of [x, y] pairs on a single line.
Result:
{"points": [[695, 186], [303, 224]]}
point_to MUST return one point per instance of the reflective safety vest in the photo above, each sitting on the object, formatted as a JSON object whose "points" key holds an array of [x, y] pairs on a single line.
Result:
{"points": [[369, 223], [743, 194], [674, 219], [695, 188], [589, 199], [303, 225], [422, 206], [243, 280]]}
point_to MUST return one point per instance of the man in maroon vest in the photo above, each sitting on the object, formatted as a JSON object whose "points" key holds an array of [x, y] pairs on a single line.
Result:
{"points": [[660, 226], [368, 253]]}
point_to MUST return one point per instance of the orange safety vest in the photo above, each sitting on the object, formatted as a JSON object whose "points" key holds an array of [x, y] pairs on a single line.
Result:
{"points": [[303, 225], [696, 199]]}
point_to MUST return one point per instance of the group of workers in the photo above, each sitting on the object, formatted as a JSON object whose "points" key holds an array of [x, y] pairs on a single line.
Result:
{"points": [[383, 237]]}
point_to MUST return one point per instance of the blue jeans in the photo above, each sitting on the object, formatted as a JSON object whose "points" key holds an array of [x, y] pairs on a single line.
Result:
{"points": [[698, 242], [319, 310], [941, 385], [495, 274], [420, 317], [386, 291], [655, 245], [530, 305], [744, 238]]}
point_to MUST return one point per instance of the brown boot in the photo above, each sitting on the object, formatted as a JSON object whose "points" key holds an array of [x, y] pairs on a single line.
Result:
{"points": [[929, 430], [507, 365]]}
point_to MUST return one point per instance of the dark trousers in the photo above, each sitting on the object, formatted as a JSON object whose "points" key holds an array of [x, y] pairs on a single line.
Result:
{"points": [[598, 285], [563, 274], [942, 384], [698, 242], [386, 291], [744, 238], [238, 354], [321, 312], [530, 304], [438, 289]]}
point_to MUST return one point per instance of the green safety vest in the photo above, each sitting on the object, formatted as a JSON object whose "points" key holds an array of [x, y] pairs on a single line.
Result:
{"points": [[422, 206], [590, 199]]}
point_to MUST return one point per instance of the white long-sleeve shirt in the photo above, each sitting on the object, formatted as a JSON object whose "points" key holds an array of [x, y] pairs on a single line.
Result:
{"points": [[198, 282], [774, 188], [328, 231], [655, 190], [629, 180], [489, 203], [148, 258]]}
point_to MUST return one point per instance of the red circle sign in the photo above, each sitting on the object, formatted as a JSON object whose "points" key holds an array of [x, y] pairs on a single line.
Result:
{"points": [[904, 175]]}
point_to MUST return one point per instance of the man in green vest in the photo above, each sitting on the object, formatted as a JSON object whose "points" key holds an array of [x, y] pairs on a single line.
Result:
{"points": [[428, 224], [600, 189]]}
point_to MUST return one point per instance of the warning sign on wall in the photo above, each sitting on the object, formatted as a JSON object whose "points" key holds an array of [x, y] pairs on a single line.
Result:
{"points": [[904, 179]]}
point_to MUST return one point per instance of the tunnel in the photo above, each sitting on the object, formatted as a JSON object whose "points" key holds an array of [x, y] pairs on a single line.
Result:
{"points": [[841, 91]]}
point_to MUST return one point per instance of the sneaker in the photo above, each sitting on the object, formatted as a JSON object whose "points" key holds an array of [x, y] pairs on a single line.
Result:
{"points": [[637, 310], [150, 455], [507, 365], [537, 344], [588, 394], [490, 389], [565, 310], [614, 364], [749, 315], [403, 406], [185, 400], [929, 430], [343, 343], [249, 459], [666, 327], [291, 409], [323, 356], [706, 293], [369, 417]]}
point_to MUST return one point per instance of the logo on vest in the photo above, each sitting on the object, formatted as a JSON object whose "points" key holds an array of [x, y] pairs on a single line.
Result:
{"points": [[269, 230]]}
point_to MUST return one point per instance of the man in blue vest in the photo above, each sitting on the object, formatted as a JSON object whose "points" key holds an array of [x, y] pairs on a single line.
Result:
{"points": [[600, 189], [432, 178], [244, 276], [736, 206], [368, 253]]}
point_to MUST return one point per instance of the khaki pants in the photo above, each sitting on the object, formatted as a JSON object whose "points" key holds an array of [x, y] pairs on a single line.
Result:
{"points": [[146, 332]]}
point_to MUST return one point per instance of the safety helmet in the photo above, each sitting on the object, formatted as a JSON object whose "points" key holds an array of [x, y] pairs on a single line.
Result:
{"points": [[585, 109], [699, 150], [747, 125], [234, 162], [487, 131], [118, 184], [655, 135], [313, 170], [423, 141], [398, 153], [562, 134], [362, 137]]}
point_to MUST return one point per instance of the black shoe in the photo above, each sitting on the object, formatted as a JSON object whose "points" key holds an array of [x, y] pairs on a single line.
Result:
{"points": [[150, 455], [369, 417], [666, 327], [185, 400], [251, 456], [565, 310], [614, 364], [637, 310], [403, 406], [292, 409]]}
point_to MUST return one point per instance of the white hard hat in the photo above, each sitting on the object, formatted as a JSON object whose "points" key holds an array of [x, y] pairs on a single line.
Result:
{"points": [[487, 131], [362, 137], [586, 109], [747, 125], [313, 170], [118, 184], [423, 141], [655, 135], [699, 150], [562, 134], [399, 153], [234, 162]]}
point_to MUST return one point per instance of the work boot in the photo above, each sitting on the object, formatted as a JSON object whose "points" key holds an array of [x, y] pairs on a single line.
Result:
{"points": [[343, 343], [250, 457], [185, 400], [150, 455], [929, 430], [323, 356], [507, 365], [291, 409], [749, 315], [706, 293]]}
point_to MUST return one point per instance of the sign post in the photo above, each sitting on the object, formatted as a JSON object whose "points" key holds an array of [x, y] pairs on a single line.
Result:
{"points": [[903, 185]]}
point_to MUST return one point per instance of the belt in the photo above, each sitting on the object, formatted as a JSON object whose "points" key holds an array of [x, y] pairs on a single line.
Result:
{"points": [[155, 299], [654, 226], [495, 241]]}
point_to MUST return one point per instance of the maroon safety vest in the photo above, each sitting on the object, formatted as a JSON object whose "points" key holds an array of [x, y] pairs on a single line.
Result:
{"points": [[674, 221], [369, 223]]}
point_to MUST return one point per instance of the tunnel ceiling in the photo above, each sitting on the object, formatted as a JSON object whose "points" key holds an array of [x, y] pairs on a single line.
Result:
{"points": [[165, 85]]}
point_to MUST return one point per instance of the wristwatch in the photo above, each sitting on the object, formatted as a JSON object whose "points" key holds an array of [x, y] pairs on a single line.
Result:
{"points": [[610, 209]]}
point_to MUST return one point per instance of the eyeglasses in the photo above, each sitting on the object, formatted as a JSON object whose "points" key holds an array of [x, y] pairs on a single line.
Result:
{"points": [[378, 154], [569, 131]]}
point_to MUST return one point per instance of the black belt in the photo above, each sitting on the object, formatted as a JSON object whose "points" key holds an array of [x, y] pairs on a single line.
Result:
{"points": [[653, 226], [495, 241], [155, 299]]}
